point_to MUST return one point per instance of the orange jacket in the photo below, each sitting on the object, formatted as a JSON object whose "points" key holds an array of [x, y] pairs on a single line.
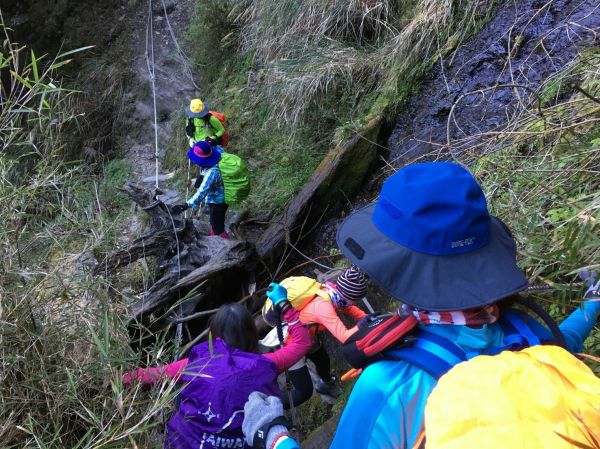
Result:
{"points": [[323, 313]]}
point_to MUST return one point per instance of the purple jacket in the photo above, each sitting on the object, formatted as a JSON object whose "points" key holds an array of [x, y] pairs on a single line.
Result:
{"points": [[211, 410]]}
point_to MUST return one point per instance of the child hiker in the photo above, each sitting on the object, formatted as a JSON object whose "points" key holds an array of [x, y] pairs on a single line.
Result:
{"points": [[318, 305]]}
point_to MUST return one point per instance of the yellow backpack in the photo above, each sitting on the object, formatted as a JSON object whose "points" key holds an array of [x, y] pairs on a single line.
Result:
{"points": [[300, 291], [539, 397]]}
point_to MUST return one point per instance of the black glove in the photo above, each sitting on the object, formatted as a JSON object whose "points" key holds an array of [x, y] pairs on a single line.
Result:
{"points": [[179, 208], [211, 140]]}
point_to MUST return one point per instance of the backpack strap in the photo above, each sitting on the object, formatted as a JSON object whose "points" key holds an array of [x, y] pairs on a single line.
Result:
{"points": [[433, 354], [190, 127], [323, 294], [518, 334], [437, 355], [559, 338]]}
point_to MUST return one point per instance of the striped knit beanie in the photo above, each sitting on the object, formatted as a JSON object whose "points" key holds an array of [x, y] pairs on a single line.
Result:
{"points": [[352, 284]]}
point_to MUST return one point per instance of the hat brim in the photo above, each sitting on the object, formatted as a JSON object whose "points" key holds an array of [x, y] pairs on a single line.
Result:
{"points": [[204, 161], [434, 283], [203, 113]]}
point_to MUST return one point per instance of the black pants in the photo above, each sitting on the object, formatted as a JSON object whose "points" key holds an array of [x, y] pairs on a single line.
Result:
{"points": [[303, 387], [322, 363], [217, 217], [300, 378]]}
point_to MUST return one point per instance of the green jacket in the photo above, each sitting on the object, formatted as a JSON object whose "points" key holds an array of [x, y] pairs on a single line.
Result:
{"points": [[203, 129]]}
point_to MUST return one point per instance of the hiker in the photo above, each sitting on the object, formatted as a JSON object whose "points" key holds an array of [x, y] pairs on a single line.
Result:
{"points": [[319, 312], [220, 374], [202, 125], [211, 188], [430, 242]]}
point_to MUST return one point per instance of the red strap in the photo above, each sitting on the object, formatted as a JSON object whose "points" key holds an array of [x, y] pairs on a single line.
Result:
{"points": [[386, 340], [376, 332]]}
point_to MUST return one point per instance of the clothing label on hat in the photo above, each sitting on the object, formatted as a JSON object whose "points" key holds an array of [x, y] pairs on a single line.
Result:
{"points": [[356, 249], [465, 242]]}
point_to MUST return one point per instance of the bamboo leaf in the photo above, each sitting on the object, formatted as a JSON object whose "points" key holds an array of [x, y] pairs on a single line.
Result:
{"points": [[59, 64], [77, 50], [36, 76], [22, 80]]}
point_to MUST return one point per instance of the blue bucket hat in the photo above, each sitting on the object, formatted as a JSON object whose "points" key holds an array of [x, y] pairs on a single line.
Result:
{"points": [[430, 241], [204, 154]]}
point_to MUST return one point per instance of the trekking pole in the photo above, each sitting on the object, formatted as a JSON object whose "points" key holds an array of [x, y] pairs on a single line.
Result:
{"points": [[288, 383], [187, 189], [368, 305]]}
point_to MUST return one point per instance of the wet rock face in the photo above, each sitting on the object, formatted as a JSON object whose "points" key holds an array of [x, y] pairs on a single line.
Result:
{"points": [[49, 27], [526, 43]]}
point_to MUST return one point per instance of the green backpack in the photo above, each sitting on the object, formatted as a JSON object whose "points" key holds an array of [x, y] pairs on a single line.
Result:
{"points": [[236, 178]]}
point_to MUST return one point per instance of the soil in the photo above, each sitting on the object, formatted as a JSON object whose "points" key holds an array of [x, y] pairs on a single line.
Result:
{"points": [[174, 83]]}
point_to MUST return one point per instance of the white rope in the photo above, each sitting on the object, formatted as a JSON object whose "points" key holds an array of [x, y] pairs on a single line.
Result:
{"points": [[150, 64], [179, 328], [188, 70], [184, 58]]}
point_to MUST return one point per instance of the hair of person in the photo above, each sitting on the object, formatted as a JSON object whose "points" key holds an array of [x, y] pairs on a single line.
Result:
{"points": [[234, 324]]}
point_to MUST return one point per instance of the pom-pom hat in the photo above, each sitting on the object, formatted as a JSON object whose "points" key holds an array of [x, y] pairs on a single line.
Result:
{"points": [[430, 241]]}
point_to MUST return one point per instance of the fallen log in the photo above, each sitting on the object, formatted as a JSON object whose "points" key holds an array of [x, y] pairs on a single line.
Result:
{"points": [[165, 229], [340, 174], [213, 258]]}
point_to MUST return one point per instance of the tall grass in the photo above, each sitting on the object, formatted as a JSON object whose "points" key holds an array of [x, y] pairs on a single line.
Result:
{"points": [[310, 48], [541, 173], [62, 339], [298, 77]]}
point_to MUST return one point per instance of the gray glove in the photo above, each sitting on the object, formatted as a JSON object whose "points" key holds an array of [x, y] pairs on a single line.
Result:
{"points": [[261, 410], [591, 279]]}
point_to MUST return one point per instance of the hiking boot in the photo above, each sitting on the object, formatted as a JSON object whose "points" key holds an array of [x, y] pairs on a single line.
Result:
{"points": [[328, 388]]}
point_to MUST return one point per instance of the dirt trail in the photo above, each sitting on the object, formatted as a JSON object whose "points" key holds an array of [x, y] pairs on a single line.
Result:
{"points": [[174, 85], [525, 43]]}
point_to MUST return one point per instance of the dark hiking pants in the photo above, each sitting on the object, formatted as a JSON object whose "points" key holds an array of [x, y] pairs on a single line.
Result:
{"points": [[217, 217]]}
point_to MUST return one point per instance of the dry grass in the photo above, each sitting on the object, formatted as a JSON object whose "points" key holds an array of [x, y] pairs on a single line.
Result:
{"points": [[309, 48], [62, 339]]}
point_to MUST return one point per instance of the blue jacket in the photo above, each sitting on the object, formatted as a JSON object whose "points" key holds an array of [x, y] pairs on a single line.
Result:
{"points": [[396, 391], [211, 189]]}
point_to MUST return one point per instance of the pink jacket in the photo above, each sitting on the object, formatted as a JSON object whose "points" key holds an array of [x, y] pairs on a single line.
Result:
{"points": [[298, 344]]}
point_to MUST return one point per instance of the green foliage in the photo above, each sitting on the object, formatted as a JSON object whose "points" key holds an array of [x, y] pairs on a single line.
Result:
{"points": [[116, 173], [208, 37], [544, 184], [62, 339], [307, 75]]}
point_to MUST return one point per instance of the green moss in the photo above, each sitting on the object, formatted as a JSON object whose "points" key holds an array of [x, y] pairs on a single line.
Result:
{"points": [[249, 88]]}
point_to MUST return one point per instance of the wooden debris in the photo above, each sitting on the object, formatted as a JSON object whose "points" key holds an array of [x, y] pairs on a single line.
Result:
{"points": [[187, 258]]}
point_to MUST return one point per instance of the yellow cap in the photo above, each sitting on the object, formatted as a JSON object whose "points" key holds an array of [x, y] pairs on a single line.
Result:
{"points": [[196, 105]]}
